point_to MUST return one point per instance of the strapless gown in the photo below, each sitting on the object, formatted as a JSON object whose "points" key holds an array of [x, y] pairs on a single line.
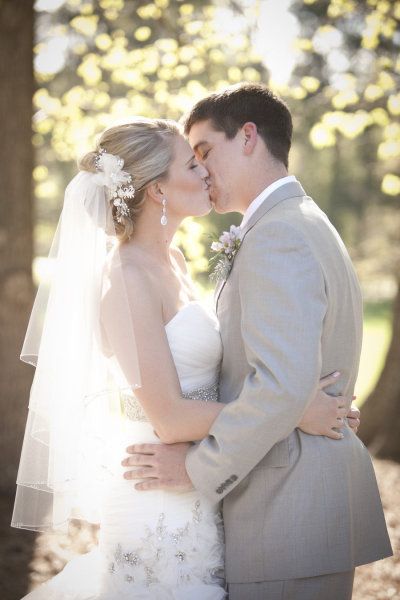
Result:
{"points": [[155, 545]]}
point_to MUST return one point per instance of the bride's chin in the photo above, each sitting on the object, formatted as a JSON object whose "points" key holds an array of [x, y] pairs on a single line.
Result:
{"points": [[204, 210]]}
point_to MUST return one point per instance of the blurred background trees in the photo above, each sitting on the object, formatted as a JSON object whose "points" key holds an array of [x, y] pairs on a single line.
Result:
{"points": [[16, 246], [98, 61], [106, 60], [336, 62], [351, 50]]}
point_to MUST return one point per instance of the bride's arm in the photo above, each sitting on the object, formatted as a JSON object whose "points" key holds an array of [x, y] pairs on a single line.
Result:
{"points": [[174, 418]]}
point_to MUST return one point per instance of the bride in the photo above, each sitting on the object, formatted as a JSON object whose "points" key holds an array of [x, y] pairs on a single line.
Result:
{"points": [[125, 353]]}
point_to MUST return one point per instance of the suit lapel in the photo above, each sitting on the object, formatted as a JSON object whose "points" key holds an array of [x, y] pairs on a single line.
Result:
{"points": [[292, 189]]}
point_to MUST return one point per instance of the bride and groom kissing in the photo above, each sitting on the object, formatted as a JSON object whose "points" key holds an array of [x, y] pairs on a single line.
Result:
{"points": [[276, 455]]}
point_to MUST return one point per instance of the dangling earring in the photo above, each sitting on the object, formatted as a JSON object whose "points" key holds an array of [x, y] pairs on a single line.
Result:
{"points": [[164, 219]]}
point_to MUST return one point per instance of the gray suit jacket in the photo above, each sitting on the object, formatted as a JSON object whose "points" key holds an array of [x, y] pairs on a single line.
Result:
{"points": [[290, 312]]}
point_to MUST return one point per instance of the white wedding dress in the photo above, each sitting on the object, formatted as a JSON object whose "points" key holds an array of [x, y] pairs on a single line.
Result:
{"points": [[155, 545]]}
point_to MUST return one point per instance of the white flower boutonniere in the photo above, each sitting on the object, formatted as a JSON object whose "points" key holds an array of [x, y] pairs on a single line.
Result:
{"points": [[225, 250]]}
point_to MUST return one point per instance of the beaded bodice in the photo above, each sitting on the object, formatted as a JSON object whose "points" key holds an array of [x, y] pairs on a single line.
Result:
{"points": [[195, 344]]}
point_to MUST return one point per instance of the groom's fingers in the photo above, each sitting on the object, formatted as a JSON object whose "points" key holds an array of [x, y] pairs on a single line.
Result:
{"points": [[149, 484], [328, 380], [142, 449], [140, 473], [135, 460]]}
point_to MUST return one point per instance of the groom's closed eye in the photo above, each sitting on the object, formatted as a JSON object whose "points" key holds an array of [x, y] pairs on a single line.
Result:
{"points": [[201, 150]]}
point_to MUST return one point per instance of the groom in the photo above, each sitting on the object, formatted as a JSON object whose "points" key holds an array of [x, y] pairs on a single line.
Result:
{"points": [[300, 512]]}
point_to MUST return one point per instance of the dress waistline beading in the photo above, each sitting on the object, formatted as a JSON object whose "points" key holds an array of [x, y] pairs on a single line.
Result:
{"points": [[132, 409]]}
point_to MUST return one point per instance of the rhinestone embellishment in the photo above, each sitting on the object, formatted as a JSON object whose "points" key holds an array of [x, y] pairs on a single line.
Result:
{"points": [[133, 410], [164, 550]]}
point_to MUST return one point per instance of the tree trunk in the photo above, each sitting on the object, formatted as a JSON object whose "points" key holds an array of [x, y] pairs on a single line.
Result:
{"points": [[380, 422], [16, 247]]}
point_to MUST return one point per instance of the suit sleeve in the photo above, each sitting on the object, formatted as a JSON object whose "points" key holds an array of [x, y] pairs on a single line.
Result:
{"points": [[283, 304]]}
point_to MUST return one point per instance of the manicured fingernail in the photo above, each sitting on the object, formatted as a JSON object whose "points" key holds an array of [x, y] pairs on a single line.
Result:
{"points": [[341, 436], [336, 374], [123, 462], [354, 397]]}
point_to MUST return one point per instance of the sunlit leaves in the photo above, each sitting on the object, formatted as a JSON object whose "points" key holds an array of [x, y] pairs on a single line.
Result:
{"points": [[341, 8], [116, 59], [149, 11], [103, 41], [85, 25], [142, 34], [355, 53], [322, 136], [391, 184], [394, 104], [345, 98], [380, 117], [348, 124], [310, 84], [191, 238], [373, 92], [40, 172], [89, 70]]}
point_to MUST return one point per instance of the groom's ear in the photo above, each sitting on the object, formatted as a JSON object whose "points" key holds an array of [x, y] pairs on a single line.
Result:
{"points": [[249, 136]]}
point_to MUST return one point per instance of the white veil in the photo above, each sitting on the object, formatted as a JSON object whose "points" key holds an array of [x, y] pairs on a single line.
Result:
{"points": [[75, 391]]}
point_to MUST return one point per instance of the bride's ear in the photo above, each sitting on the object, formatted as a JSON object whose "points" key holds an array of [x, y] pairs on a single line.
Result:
{"points": [[155, 192]]}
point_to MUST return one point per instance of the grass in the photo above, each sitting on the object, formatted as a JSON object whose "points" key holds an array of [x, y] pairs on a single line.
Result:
{"points": [[377, 331]]}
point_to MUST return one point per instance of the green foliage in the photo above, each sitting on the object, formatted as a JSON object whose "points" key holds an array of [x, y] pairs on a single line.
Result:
{"points": [[102, 61], [98, 61], [351, 50]]}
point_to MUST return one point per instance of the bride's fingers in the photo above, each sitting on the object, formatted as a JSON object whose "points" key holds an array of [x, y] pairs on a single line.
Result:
{"points": [[334, 435], [341, 412], [328, 380], [354, 424], [354, 413]]}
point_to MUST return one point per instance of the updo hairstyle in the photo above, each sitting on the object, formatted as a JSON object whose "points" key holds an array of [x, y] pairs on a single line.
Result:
{"points": [[146, 147]]}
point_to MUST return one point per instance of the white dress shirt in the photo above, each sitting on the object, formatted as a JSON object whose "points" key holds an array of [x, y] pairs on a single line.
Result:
{"points": [[256, 203]]}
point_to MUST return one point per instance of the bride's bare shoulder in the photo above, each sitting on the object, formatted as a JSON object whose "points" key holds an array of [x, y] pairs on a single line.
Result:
{"points": [[137, 270]]}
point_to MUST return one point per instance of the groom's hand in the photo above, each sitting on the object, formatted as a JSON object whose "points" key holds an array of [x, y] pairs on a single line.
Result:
{"points": [[158, 466]]}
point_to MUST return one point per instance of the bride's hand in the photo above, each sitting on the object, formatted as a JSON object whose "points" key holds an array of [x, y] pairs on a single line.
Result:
{"points": [[325, 414]]}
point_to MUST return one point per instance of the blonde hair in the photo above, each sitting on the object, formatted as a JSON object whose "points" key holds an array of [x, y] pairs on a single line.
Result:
{"points": [[146, 147]]}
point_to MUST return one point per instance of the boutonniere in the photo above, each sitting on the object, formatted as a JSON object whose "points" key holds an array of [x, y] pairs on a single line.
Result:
{"points": [[225, 250]]}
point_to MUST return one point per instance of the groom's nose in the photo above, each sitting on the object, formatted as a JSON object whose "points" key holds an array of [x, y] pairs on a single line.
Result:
{"points": [[204, 174]]}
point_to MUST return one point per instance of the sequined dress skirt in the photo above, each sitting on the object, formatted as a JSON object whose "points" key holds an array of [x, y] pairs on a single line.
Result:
{"points": [[153, 545]]}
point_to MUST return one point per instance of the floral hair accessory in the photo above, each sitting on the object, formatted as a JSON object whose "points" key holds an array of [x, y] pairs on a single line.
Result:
{"points": [[225, 250], [110, 174]]}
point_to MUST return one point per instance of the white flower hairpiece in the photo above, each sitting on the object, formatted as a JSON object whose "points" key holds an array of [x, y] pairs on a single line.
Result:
{"points": [[225, 250], [111, 175]]}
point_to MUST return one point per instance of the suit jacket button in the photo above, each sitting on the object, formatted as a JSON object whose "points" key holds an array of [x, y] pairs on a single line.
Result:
{"points": [[219, 490]]}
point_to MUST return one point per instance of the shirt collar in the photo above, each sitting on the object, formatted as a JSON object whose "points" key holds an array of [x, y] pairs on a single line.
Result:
{"points": [[256, 203]]}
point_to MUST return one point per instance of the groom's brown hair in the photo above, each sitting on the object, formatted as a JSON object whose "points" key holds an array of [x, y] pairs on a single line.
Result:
{"points": [[230, 109]]}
